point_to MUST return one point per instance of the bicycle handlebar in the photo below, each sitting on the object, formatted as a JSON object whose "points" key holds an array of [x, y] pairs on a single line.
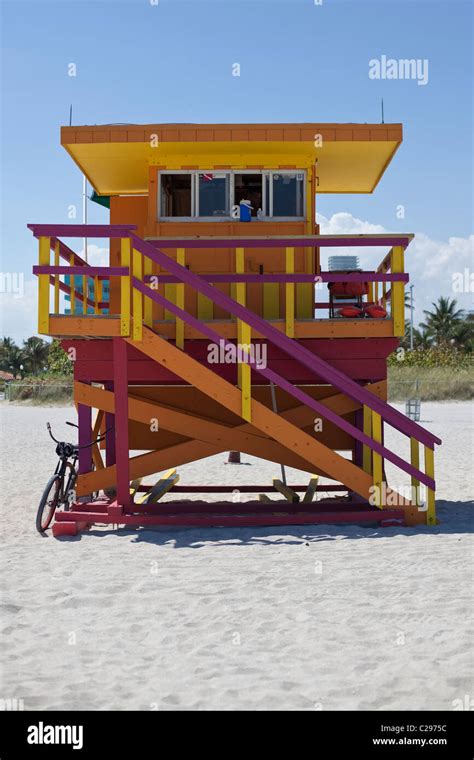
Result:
{"points": [[86, 446]]}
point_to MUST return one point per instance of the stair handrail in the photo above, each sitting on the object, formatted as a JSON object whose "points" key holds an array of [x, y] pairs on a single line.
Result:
{"points": [[294, 349]]}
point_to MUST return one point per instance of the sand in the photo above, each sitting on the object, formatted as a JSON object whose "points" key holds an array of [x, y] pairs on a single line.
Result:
{"points": [[312, 618]]}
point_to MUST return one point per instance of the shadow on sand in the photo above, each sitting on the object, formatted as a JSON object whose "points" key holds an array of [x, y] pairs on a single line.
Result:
{"points": [[456, 517]]}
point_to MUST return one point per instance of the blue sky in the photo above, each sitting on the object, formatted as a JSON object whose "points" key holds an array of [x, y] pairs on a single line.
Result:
{"points": [[139, 62]]}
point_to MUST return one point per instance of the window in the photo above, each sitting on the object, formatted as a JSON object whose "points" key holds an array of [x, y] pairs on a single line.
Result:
{"points": [[249, 187], [288, 194], [213, 194], [176, 196]]}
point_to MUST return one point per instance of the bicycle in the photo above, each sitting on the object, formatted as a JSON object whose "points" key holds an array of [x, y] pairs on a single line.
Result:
{"points": [[60, 488]]}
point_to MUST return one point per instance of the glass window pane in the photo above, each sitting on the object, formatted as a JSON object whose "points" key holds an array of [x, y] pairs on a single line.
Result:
{"points": [[213, 194], [288, 194], [175, 195]]}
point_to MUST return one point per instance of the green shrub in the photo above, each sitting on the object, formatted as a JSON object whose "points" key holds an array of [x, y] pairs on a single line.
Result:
{"points": [[431, 358]]}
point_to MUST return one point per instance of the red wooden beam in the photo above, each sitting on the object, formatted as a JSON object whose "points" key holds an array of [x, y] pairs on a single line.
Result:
{"points": [[235, 520], [121, 421]]}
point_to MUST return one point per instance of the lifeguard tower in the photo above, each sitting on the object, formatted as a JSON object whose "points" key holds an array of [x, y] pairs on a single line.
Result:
{"points": [[224, 331]]}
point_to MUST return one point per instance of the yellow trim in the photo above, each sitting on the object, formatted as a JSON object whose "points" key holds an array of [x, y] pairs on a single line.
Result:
{"points": [[271, 300], [384, 290], [43, 285], [366, 451], [290, 293], [244, 338], [72, 286], [137, 268], [85, 294], [125, 256], [240, 295], [181, 259], [57, 278], [170, 295], [97, 295], [398, 292], [415, 462], [205, 308], [245, 374], [148, 303], [430, 497], [344, 166], [376, 458]]}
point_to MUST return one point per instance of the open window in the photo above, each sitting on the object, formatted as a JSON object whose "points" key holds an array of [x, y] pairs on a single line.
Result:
{"points": [[249, 187], [176, 195], [210, 195]]}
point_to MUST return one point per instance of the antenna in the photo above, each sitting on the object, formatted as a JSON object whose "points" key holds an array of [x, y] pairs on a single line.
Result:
{"points": [[383, 121], [70, 115]]}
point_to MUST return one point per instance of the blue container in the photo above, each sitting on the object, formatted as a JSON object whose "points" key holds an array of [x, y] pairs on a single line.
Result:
{"points": [[245, 211]]}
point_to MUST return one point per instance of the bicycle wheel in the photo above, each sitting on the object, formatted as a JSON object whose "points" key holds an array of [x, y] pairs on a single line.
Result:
{"points": [[49, 502]]}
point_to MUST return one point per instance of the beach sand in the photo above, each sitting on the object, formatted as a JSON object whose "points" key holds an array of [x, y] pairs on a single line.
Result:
{"points": [[313, 618]]}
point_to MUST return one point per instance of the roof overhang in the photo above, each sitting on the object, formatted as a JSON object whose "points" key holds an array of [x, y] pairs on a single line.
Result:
{"points": [[351, 158]]}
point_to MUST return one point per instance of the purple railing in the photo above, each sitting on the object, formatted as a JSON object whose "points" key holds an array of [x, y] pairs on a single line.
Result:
{"points": [[293, 348]]}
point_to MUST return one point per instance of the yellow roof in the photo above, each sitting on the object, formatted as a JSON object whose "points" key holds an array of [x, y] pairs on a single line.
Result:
{"points": [[351, 158]]}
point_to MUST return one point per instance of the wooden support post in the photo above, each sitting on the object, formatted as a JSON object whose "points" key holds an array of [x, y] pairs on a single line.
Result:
{"points": [[57, 278], [311, 490], [110, 434], [137, 296], [148, 305], [125, 256], [43, 286], [97, 294], [430, 494], [415, 462], [290, 294], [398, 292], [85, 293], [384, 290], [121, 421], [245, 373], [286, 491], [240, 294], [366, 451], [72, 285], [370, 294], [244, 338], [84, 419], [205, 308], [181, 259], [376, 458]]}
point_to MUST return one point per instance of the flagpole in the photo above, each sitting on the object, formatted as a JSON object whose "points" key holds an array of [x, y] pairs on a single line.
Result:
{"points": [[84, 210]]}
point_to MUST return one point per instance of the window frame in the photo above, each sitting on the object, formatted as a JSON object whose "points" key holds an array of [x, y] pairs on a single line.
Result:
{"points": [[267, 202]]}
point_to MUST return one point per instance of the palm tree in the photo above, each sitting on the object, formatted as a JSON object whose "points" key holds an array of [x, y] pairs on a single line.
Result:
{"points": [[35, 351], [442, 323], [463, 336], [421, 339], [9, 355], [15, 361]]}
